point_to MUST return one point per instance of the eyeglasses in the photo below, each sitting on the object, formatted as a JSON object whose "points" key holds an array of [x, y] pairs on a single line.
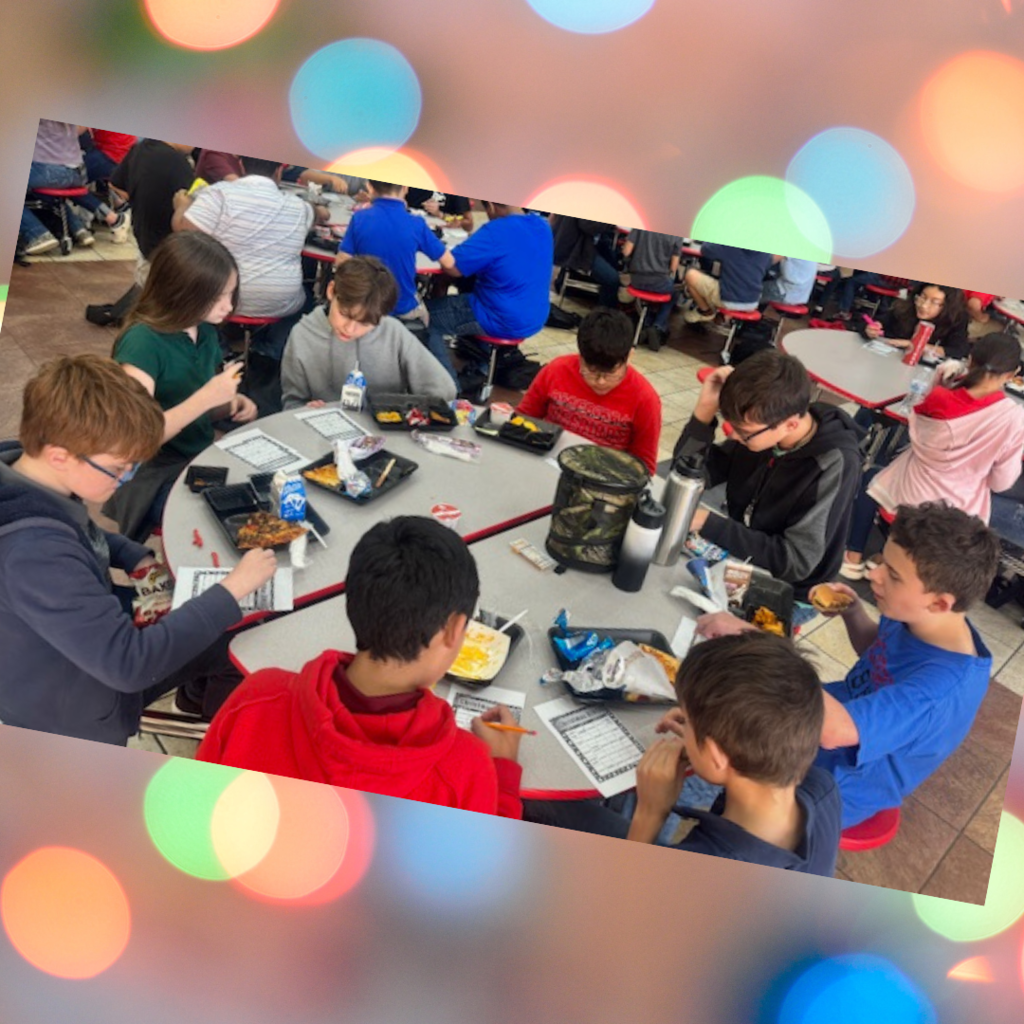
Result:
{"points": [[119, 478], [929, 302], [747, 438], [602, 375]]}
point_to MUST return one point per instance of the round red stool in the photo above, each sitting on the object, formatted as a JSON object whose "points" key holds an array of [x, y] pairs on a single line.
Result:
{"points": [[249, 325], [734, 317], [786, 311], [56, 199], [878, 830], [495, 343], [643, 300]]}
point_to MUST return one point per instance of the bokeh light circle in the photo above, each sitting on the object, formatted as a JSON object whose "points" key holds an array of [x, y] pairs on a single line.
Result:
{"points": [[766, 214], [591, 16], [967, 922], [855, 989], [244, 823], [457, 863], [977, 968], [178, 809], [65, 912], [353, 94], [588, 198], [209, 24], [402, 167], [311, 846], [972, 120], [860, 183]]}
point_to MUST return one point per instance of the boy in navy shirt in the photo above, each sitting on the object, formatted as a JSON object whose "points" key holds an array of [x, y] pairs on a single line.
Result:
{"points": [[749, 718], [739, 287], [923, 671], [511, 257], [390, 232]]}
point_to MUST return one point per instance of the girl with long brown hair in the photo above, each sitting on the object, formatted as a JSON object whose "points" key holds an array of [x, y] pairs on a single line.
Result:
{"points": [[936, 304], [170, 344]]}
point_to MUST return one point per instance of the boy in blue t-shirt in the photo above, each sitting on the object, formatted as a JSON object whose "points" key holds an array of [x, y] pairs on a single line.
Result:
{"points": [[749, 719], [511, 258], [387, 230], [923, 670]]}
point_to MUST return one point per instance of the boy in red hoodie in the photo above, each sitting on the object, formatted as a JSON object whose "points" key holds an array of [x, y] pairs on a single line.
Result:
{"points": [[368, 721]]}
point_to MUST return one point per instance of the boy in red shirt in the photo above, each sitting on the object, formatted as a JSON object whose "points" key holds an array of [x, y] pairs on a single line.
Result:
{"points": [[597, 394], [368, 721]]}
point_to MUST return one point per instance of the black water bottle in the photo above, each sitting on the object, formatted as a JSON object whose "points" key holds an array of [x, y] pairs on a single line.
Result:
{"points": [[639, 543]]}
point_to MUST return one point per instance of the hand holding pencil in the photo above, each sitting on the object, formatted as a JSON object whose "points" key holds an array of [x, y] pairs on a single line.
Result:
{"points": [[498, 728]]}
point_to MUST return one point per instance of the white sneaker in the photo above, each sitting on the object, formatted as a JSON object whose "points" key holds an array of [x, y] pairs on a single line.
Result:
{"points": [[120, 230], [44, 243], [697, 316], [853, 570], [84, 238]]}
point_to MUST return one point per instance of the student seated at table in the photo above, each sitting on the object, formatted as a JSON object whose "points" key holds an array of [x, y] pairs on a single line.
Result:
{"points": [[738, 287], [789, 281], [212, 166], [265, 230], [455, 209], [587, 246], [352, 330], [749, 720], [966, 443], [936, 304], [368, 720], [791, 469], [343, 184], [390, 232], [74, 661], [653, 260], [171, 346], [923, 670], [598, 394], [510, 257]]}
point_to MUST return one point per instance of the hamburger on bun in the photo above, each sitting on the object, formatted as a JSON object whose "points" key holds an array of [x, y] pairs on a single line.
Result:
{"points": [[829, 600]]}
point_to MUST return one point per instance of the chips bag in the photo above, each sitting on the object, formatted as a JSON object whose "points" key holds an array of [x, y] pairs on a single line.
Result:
{"points": [[154, 590]]}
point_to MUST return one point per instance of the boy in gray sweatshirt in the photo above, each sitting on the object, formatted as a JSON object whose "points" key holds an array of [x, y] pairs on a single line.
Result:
{"points": [[353, 332]]}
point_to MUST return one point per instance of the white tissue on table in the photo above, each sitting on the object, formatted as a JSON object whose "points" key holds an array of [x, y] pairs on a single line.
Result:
{"points": [[297, 550], [698, 600]]}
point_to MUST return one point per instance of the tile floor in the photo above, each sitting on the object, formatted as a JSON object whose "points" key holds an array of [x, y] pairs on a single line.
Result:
{"points": [[949, 825]]}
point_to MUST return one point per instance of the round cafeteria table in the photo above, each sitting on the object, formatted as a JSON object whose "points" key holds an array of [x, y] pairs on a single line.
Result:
{"points": [[505, 487], [508, 584], [1012, 309], [842, 362]]}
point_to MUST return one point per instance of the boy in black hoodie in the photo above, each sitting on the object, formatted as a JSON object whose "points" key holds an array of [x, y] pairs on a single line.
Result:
{"points": [[791, 470]]}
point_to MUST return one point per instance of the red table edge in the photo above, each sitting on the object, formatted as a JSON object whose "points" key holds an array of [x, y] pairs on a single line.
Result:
{"points": [[1006, 312], [846, 394]]}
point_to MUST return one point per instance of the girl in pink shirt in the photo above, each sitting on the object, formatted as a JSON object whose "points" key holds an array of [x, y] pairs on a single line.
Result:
{"points": [[966, 441]]}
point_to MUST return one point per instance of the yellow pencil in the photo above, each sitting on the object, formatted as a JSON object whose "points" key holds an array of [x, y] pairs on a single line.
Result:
{"points": [[511, 728]]}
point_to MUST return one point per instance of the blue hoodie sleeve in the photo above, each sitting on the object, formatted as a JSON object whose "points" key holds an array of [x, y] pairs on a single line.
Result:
{"points": [[55, 591], [124, 553]]}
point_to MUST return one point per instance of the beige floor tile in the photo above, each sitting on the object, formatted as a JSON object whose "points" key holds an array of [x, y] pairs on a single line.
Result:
{"points": [[1011, 675], [832, 639], [828, 668], [1002, 624]]}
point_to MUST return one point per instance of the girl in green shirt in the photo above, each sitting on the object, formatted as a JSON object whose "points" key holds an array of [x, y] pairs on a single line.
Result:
{"points": [[170, 344]]}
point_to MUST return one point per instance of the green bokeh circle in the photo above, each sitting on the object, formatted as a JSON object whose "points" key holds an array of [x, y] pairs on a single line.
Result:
{"points": [[178, 809], [967, 922], [766, 214]]}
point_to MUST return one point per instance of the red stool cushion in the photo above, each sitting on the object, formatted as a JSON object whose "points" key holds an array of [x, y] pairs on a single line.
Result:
{"points": [[878, 289], [876, 831], [823, 278], [252, 321], [499, 341], [889, 517], [704, 372], [727, 429], [750, 315], [61, 193], [658, 297], [782, 307]]}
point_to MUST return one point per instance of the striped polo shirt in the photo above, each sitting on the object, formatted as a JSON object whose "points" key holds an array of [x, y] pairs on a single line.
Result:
{"points": [[264, 230]]}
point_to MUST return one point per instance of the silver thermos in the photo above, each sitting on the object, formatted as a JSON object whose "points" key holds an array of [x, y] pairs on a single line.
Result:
{"points": [[638, 545], [683, 489]]}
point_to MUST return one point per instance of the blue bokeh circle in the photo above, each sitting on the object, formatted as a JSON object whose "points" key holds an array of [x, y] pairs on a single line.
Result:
{"points": [[354, 94], [591, 16]]}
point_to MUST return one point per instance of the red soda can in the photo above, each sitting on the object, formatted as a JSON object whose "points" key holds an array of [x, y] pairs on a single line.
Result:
{"points": [[922, 335]]}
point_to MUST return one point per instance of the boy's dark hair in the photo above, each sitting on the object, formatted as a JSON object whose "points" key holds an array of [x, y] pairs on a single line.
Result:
{"points": [[767, 388], [953, 553], [406, 577], [759, 699], [605, 338], [257, 165], [384, 188], [365, 289]]}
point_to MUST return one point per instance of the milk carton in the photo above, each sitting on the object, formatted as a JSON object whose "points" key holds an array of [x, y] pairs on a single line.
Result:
{"points": [[288, 495]]}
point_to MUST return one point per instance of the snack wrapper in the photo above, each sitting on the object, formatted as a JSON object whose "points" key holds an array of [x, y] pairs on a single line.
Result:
{"points": [[702, 548], [576, 646], [417, 418], [465, 412], [624, 667], [737, 580], [453, 447], [698, 568], [154, 590]]}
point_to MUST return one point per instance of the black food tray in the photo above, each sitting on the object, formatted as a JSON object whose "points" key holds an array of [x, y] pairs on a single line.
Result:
{"points": [[403, 404], [651, 637], [372, 467], [198, 478], [540, 443], [232, 505], [515, 634], [775, 595]]}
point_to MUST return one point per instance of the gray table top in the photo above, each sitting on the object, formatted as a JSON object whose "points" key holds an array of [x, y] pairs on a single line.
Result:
{"points": [[842, 362], [505, 486], [508, 584]]}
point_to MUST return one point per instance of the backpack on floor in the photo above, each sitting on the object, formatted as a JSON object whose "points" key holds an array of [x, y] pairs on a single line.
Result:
{"points": [[512, 370], [751, 338], [562, 319]]}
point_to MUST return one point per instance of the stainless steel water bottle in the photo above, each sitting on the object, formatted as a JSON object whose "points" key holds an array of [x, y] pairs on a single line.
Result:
{"points": [[683, 489], [642, 536]]}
